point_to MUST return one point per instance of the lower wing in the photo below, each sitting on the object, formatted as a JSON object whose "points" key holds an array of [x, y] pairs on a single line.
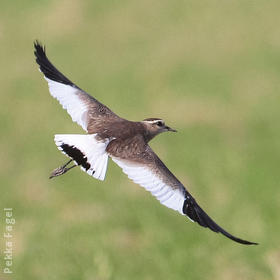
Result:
{"points": [[155, 177]]}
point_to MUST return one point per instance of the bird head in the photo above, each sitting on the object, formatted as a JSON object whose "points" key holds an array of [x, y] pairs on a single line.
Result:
{"points": [[155, 126]]}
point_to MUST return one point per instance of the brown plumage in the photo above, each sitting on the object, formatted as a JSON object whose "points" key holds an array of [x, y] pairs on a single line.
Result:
{"points": [[126, 142]]}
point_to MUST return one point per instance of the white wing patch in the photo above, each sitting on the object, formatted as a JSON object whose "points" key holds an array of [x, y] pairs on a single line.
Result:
{"points": [[92, 152], [69, 99], [168, 196]]}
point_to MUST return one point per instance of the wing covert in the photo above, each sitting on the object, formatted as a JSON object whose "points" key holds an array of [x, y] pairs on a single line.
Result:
{"points": [[150, 179], [82, 107]]}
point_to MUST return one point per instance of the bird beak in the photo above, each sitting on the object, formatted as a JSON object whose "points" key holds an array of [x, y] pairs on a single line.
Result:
{"points": [[171, 129]]}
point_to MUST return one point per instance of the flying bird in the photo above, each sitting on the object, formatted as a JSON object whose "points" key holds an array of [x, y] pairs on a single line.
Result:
{"points": [[125, 142]]}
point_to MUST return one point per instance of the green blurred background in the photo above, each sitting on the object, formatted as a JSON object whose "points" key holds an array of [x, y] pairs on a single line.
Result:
{"points": [[211, 70]]}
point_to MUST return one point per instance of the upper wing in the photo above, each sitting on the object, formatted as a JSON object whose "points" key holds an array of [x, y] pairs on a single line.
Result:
{"points": [[83, 108], [149, 171]]}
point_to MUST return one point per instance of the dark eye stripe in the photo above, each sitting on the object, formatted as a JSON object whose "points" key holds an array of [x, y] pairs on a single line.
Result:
{"points": [[159, 123]]}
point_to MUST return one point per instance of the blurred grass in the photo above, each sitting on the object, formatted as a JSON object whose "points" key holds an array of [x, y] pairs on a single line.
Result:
{"points": [[211, 70]]}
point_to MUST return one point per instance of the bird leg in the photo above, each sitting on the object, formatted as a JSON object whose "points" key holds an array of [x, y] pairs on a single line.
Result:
{"points": [[61, 170]]}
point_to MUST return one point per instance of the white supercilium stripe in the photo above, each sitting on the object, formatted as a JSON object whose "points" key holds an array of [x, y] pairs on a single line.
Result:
{"points": [[168, 196]]}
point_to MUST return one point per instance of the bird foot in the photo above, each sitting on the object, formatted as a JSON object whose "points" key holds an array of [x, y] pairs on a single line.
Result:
{"points": [[61, 170]]}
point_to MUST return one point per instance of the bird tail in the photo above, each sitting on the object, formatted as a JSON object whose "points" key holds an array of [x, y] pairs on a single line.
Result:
{"points": [[86, 151]]}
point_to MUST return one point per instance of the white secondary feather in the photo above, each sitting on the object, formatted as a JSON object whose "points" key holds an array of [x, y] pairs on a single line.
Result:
{"points": [[142, 175], [93, 150], [69, 99]]}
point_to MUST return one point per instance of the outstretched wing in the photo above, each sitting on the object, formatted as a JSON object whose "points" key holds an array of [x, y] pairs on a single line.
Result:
{"points": [[147, 170], [83, 108]]}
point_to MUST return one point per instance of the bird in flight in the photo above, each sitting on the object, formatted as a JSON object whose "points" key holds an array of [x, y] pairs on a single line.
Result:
{"points": [[124, 141]]}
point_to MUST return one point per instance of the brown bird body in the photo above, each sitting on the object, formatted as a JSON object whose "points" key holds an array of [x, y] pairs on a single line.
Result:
{"points": [[126, 142]]}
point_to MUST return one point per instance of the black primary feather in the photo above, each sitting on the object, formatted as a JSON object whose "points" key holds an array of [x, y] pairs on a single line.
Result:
{"points": [[47, 67], [195, 213]]}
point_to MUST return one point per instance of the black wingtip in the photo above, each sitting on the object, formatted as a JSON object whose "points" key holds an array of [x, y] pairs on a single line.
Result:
{"points": [[196, 214], [40, 51], [48, 69], [37, 44]]}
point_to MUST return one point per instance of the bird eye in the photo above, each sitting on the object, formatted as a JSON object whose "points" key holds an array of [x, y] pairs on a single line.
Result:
{"points": [[160, 123]]}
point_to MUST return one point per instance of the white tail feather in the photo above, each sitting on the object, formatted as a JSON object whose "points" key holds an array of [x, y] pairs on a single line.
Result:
{"points": [[86, 151]]}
